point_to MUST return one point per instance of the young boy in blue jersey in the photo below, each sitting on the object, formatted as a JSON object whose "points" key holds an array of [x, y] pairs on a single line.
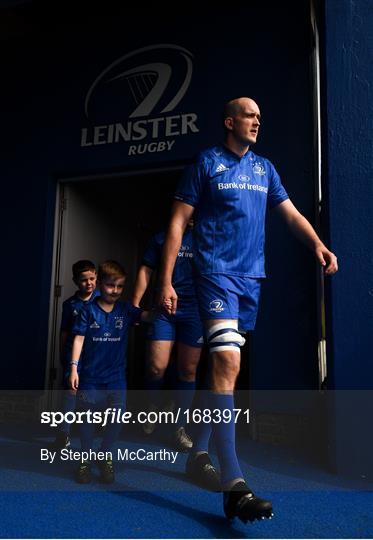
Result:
{"points": [[229, 189], [184, 328], [98, 360], [84, 277]]}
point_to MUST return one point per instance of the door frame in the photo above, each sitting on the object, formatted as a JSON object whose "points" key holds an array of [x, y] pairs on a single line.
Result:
{"points": [[52, 372]]}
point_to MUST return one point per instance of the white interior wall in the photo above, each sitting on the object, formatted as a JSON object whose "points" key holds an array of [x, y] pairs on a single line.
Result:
{"points": [[106, 219]]}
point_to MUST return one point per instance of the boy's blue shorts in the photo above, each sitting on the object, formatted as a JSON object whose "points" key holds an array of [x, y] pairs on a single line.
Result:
{"points": [[111, 394], [223, 296], [184, 327]]}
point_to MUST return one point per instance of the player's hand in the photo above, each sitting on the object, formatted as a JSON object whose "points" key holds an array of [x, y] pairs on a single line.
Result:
{"points": [[327, 259], [167, 299]]}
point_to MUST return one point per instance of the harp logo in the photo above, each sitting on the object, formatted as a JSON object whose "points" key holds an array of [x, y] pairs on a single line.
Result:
{"points": [[131, 100]]}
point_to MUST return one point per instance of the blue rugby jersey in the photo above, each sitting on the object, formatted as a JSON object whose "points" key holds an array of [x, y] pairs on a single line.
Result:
{"points": [[230, 195], [70, 310], [104, 354], [182, 277]]}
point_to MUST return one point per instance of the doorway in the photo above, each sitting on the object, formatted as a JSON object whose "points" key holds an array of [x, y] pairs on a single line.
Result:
{"points": [[106, 218]]}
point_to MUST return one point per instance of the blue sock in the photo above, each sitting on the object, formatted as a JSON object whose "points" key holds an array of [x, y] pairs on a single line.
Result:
{"points": [[112, 430], [224, 437], [183, 395], [87, 429], [200, 432], [69, 403]]}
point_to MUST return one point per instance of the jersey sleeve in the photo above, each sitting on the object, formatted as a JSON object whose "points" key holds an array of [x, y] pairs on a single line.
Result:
{"points": [[276, 191], [190, 186], [81, 323], [66, 318], [153, 252], [134, 314]]}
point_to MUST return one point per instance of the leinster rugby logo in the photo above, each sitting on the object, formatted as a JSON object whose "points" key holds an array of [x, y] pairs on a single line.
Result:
{"points": [[133, 99], [145, 79], [216, 306], [259, 169], [119, 323]]}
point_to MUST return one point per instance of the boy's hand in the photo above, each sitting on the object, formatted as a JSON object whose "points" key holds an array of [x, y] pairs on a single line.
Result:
{"points": [[167, 305], [167, 299], [74, 380]]}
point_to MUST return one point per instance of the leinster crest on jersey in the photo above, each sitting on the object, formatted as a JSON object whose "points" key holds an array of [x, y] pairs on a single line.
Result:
{"points": [[259, 169]]}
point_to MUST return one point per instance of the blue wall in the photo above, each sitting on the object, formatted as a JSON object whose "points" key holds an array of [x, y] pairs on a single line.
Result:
{"points": [[348, 179], [49, 70]]}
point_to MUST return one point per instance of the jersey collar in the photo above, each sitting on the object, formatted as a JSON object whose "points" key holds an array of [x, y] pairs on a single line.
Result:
{"points": [[231, 154]]}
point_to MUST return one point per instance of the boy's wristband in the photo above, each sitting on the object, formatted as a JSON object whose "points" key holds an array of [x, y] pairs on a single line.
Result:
{"points": [[74, 363]]}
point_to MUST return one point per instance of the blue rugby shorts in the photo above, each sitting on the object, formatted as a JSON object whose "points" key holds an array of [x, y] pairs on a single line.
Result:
{"points": [[184, 327], [223, 296]]}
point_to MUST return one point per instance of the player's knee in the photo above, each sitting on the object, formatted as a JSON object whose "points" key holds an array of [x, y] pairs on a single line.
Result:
{"points": [[156, 372], [187, 373], [187, 365], [224, 337], [226, 365]]}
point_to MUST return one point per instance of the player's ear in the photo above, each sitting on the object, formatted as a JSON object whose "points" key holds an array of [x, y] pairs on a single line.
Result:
{"points": [[228, 123]]}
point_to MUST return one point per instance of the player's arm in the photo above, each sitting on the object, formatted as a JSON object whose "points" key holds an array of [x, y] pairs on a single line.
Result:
{"points": [[75, 357], [142, 282], [146, 316], [304, 231], [180, 215]]}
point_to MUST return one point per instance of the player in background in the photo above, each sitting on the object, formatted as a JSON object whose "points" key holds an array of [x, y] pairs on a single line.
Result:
{"points": [[183, 330]]}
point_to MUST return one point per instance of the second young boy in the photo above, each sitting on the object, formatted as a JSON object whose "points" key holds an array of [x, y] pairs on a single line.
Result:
{"points": [[102, 327], [84, 277]]}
